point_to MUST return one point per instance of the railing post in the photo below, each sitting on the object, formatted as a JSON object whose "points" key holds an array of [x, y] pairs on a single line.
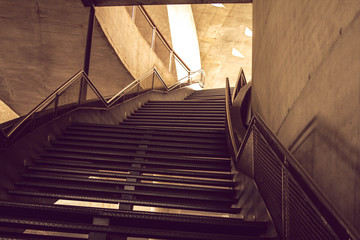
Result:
{"points": [[83, 91], [153, 81], [153, 38], [170, 60], [133, 13], [284, 197], [56, 105]]}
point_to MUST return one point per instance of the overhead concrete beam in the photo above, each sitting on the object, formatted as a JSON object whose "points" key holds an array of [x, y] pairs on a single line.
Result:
{"points": [[103, 3]]}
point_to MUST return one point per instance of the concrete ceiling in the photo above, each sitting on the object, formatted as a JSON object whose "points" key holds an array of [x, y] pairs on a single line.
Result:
{"points": [[220, 29], [100, 3]]}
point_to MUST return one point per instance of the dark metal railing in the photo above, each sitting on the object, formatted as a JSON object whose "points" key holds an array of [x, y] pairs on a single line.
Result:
{"points": [[157, 42], [69, 97], [297, 206], [241, 81]]}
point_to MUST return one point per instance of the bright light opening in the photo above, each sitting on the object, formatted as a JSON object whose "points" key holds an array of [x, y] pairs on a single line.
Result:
{"points": [[248, 32], [184, 37], [236, 53], [219, 5]]}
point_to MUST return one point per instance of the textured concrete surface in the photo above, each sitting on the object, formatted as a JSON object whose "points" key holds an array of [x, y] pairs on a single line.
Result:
{"points": [[159, 15], [42, 44], [132, 42], [220, 29], [306, 85]]}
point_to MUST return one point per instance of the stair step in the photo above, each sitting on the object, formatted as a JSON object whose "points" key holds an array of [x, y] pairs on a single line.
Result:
{"points": [[175, 124], [182, 102], [151, 137], [182, 107], [188, 205], [149, 170], [155, 131], [129, 161], [205, 97], [101, 191], [184, 114], [142, 154], [115, 231], [209, 94], [139, 147], [81, 214], [141, 185], [153, 142], [91, 172], [203, 121], [162, 117], [181, 110]]}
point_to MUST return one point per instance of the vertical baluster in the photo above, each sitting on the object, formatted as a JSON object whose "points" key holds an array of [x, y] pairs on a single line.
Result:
{"points": [[56, 105]]}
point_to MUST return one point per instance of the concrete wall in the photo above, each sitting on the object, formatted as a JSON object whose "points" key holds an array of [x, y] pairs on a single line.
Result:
{"points": [[159, 15], [219, 30], [306, 85], [132, 40], [42, 44]]}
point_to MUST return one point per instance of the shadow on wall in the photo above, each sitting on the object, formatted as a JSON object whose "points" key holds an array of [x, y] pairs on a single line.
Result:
{"points": [[331, 160]]}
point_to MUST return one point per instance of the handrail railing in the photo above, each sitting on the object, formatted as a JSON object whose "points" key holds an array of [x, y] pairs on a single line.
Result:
{"points": [[241, 81], [297, 206], [52, 104], [228, 123], [167, 45]]}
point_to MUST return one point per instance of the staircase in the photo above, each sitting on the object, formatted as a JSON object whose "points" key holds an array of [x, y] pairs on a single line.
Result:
{"points": [[164, 173]]}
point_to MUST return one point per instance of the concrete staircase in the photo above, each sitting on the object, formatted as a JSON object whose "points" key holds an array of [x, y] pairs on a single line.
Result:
{"points": [[164, 173]]}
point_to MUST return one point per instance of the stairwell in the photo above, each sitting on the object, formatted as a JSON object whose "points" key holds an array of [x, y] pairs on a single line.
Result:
{"points": [[164, 172]]}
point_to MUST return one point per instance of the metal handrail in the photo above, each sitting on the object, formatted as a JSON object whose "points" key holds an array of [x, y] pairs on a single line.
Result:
{"points": [[228, 123], [338, 224], [241, 81], [46, 100], [106, 103], [167, 45]]}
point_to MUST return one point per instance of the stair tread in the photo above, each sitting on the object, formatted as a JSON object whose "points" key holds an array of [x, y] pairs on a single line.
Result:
{"points": [[92, 172], [189, 121], [150, 136], [75, 178], [118, 213], [184, 114], [207, 174], [159, 150], [123, 201], [172, 158], [124, 231], [168, 165], [222, 118], [101, 191], [138, 142], [175, 124], [158, 130]]}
